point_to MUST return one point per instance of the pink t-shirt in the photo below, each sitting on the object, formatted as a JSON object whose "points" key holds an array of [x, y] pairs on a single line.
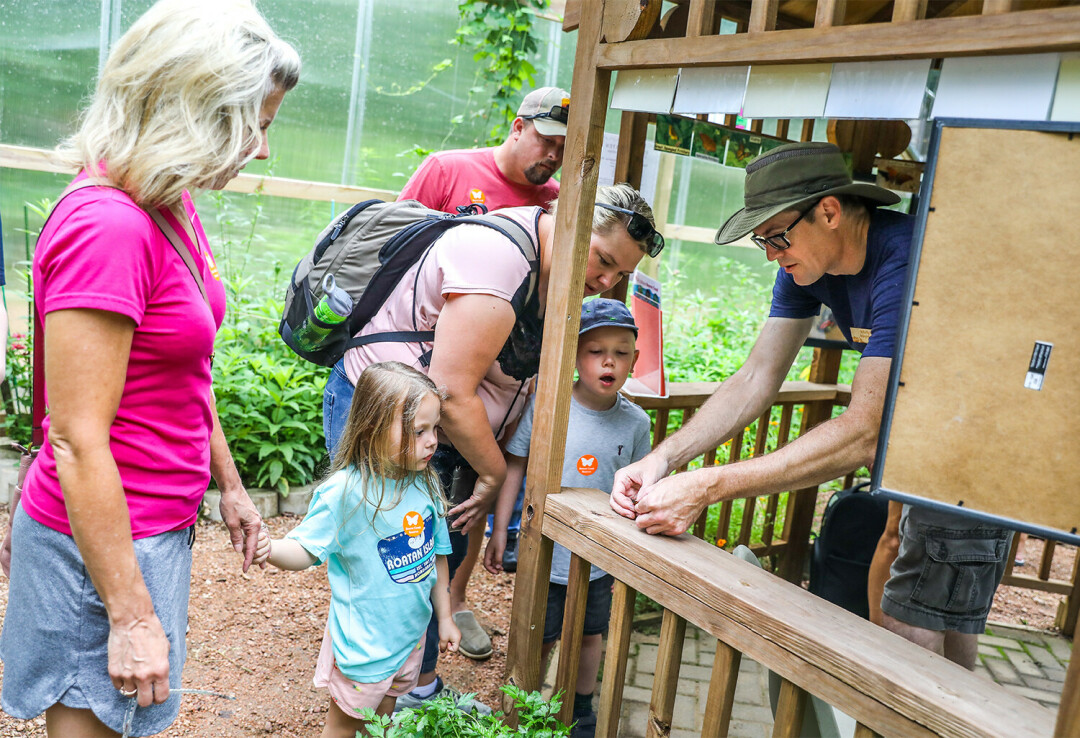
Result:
{"points": [[467, 259], [448, 179], [100, 250]]}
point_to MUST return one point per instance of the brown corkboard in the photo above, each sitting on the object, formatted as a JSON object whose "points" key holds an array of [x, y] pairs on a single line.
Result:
{"points": [[999, 270]]}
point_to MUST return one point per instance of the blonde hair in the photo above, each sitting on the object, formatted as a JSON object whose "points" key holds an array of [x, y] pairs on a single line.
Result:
{"points": [[621, 196], [177, 105], [386, 393]]}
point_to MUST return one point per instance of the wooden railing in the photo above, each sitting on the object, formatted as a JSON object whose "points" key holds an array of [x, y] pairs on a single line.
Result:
{"points": [[888, 685], [806, 401]]}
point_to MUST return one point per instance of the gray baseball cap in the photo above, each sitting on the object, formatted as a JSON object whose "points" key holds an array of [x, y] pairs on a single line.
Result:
{"points": [[603, 312], [548, 109], [790, 177]]}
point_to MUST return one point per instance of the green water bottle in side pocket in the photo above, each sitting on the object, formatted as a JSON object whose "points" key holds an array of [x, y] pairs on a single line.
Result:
{"points": [[331, 311]]}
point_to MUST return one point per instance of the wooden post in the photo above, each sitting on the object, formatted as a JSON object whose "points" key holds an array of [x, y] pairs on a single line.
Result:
{"points": [[577, 592], [824, 369], [790, 709], [830, 13], [908, 10], [618, 647], [666, 677], [721, 699], [763, 15], [573, 230], [1068, 717]]}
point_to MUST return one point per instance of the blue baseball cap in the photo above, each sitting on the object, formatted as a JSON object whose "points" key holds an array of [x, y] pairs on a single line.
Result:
{"points": [[603, 312]]}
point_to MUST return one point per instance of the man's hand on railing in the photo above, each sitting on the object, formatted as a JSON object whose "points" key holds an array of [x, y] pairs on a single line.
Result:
{"points": [[671, 505], [632, 480]]}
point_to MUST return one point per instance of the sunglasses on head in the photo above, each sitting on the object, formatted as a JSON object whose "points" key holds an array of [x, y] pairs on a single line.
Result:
{"points": [[640, 229], [559, 113]]}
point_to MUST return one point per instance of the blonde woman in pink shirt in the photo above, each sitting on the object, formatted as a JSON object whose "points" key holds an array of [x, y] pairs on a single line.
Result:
{"points": [[100, 545]]}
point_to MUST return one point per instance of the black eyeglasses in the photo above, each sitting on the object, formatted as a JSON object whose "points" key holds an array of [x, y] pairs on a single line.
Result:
{"points": [[640, 229], [779, 241], [560, 113]]}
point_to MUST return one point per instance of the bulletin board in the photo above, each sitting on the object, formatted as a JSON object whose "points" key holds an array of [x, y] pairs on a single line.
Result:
{"points": [[982, 412]]}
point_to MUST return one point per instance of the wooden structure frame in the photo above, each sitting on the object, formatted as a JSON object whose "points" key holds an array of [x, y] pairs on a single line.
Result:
{"points": [[615, 35]]}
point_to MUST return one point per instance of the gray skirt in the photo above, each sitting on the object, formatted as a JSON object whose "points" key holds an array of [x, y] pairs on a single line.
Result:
{"points": [[55, 639]]}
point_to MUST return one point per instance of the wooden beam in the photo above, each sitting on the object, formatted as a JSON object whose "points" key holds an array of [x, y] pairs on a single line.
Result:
{"points": [[721, 699], [701, 20], [790, 710], [908, 10], [829, 13], [1030, 31], [1068, 717], [876, 677], [573, 232], [763, 15], [618, 648], [666, 676], [577, 592], [993, 7], [44, 160], [683, 395]]}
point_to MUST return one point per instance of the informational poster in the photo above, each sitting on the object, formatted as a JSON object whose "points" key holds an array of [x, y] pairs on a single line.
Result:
{"points": [[649, 378], [674, 134]]}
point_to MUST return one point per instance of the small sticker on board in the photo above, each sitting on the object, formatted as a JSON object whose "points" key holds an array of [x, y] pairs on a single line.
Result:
{"points": [[1036, 372]]}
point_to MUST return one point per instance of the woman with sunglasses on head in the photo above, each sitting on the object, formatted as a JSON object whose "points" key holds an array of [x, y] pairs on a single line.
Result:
{"points": [[485, 353], [130, 301]]}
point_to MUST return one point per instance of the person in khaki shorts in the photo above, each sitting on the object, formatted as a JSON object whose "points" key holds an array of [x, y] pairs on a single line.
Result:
{"points": [[834, 245]]}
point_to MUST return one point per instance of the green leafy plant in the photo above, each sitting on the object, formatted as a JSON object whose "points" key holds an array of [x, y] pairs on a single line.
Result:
{"points": [[445, 718], [503, 39], [18, 388]]}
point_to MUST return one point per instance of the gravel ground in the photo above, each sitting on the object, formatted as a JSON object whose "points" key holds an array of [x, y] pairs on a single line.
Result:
{"points": [[257, 636]]}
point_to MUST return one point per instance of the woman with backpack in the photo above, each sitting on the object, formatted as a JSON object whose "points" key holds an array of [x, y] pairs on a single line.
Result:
{"points": [[129, 297], [472, 289]]}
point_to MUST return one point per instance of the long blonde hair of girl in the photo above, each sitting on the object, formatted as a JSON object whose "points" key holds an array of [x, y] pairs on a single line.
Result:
{"points": [[386, 394]]}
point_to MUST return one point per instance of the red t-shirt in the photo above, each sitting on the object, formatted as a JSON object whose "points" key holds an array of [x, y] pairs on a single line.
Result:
{"points": [[449, 179], [101, 251]]}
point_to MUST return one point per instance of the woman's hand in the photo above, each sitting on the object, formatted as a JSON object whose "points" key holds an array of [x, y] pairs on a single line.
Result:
{"points": [[244, 523], [139, 660], [475, 509], [449, 634]]}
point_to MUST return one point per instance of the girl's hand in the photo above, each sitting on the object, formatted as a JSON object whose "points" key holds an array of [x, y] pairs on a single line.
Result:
{"points": [[449, 634], [262, 548], [494, 552]]}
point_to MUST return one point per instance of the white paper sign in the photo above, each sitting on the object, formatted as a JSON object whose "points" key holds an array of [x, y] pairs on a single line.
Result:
{"points": [[889, 90], [787, 91], [649, 166], [1018, 87], [645, 90], [715, 90]]}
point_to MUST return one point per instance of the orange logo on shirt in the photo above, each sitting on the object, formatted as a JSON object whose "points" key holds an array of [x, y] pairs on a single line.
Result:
{"points": [[413, 523], [586, 464], [477, 197], [211, 264]]}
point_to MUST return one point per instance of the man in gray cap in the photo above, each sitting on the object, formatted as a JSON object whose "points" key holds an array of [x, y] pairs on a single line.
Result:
{"points": [[834, 246], [517, 172]]}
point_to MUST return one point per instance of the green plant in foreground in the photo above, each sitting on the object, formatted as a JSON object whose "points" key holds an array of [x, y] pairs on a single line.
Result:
{"points": [[442, 718]]}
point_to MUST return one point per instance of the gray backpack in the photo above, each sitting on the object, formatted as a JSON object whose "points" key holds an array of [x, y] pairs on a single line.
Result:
{"points": [[367, 250]]}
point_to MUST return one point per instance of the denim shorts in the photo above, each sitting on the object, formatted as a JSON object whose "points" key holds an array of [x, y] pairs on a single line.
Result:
{"points": [[56, 631], [597, 608], [947, 571]]}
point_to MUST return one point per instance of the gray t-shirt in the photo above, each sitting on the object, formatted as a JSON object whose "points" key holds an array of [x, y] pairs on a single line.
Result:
{"points": [[598, 443]]}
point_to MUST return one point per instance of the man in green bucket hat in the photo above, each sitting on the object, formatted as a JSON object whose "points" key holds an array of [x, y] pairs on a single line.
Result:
{"points": [[834, 246]]}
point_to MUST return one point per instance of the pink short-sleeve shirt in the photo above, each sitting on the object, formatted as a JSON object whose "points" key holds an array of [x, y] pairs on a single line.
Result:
{"points": [[101, 251], [467, 259]]}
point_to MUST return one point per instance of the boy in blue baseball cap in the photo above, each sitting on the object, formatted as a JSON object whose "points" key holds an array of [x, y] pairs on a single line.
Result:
{"points": [[605, 433]]}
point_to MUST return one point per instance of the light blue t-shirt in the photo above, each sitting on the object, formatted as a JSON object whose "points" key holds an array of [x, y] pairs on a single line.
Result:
{"points": [[381, 572]]}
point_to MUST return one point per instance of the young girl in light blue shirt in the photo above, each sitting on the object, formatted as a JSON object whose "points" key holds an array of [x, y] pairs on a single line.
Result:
{"points": [[378, 521]]}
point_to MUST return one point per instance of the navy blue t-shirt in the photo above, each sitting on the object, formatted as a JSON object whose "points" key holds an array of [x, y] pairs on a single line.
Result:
{"points": [[866, 305]]}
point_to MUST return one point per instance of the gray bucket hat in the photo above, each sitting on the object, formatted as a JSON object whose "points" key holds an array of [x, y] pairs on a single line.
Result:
{"points": [[791, 176]]}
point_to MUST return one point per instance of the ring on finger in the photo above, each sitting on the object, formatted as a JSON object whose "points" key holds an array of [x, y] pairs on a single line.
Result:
{"points": [[132, 693]]}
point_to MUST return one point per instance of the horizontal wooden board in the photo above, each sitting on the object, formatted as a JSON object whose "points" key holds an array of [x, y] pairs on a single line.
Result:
{"points": [[43, 160], [694, 394], [878, 678], [1029, 31]]}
